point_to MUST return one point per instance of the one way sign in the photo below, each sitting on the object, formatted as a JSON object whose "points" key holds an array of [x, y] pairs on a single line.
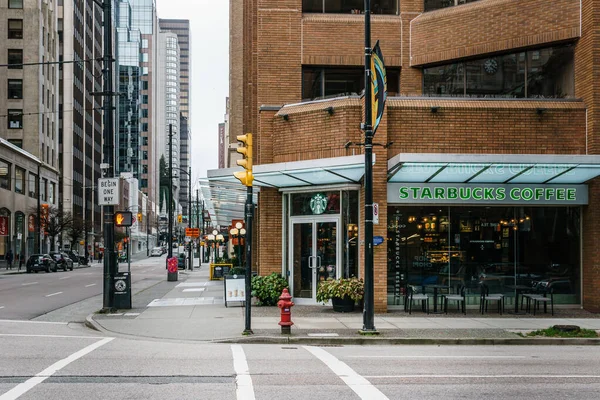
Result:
{"points": [[108, 192]]}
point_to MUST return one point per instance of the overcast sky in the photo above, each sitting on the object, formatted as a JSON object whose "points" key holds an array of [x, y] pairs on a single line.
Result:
{"points": [[209, 23]]}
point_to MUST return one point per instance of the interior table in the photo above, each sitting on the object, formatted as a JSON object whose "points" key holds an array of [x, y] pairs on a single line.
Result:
{"points": [[518, 289], [435, 288]]}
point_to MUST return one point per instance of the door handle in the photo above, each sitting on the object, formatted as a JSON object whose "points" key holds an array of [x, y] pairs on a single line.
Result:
{"points": [[310, 262]]}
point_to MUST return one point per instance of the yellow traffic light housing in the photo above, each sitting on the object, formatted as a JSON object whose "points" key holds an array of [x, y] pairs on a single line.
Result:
{"points": [[139, 217], [179, 218], [245, 150]]}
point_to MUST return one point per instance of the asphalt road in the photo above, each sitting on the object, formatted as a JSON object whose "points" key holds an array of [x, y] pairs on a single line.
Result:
{"points": [[27, 296], [66, 361]]}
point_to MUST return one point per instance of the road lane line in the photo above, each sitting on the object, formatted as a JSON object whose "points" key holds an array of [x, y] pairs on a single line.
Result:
{"points": [[243, 381], [29, 283], [479, 376], [51, 336], [360, 385], [64, 277], [93, 284], [478, 357], [33, 322], [29, 384], [1, 307], [53, 294]]}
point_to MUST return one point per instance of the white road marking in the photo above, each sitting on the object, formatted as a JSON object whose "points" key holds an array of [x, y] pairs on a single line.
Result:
{"points": [[243, 381], [114, 314], [64, 277], [51, 336], [195, 290], [480, 376], [132, 314], [1, 307], [29, 384], [53, 294], [29, 283], [511, 357], [93, 284], [33, 322], [361, 386]]}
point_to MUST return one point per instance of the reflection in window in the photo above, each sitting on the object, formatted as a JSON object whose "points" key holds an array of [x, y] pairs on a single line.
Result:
{"points": [[15, 119], [538, 247], [19, 180], [4, 175], [332, 82], [32, 185], [15, 58], [15, 88], [431, 5], [15, 29], [549, 73], [349, 6]]}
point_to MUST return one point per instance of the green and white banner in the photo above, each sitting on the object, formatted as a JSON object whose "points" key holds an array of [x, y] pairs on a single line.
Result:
{"points": [[487, 194]]}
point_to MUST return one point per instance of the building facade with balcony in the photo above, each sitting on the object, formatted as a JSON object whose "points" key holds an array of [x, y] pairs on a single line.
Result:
{"points": [[485, 161]]}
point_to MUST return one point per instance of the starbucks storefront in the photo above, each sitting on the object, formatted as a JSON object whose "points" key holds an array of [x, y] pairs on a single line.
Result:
{"points": [[481, 227]]}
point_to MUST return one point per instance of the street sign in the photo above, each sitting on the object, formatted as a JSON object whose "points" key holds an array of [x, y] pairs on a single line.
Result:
{"points": [[377, 240], [108, 191], [192, 232]]}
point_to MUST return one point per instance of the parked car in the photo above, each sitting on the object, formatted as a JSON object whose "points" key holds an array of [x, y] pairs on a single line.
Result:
{"points": [[156, 252], [181, 261], [40, 262], [73, 256], [62, 260]]}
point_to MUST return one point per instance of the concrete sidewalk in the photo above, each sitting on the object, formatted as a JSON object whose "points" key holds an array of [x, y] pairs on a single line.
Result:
{"points": [[193, 310]]}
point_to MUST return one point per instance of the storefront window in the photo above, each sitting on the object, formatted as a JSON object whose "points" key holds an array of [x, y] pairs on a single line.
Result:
{"points": [[350, 244], [4, 231], [316, 203], [19, 234], [501, 246]]}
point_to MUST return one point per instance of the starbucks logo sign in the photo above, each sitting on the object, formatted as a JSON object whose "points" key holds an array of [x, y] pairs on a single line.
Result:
{"points": [[318, 203]]}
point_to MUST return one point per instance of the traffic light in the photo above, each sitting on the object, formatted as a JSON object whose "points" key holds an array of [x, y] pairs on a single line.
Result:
{"points": [[123, 218], [179, 218], [245, 150], [139, 217]]}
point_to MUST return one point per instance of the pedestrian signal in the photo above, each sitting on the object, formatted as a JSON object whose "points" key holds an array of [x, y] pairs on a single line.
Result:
{"points": [[123, 218]]}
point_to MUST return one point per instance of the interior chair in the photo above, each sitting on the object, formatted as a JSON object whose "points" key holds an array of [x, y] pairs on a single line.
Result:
{"points": [[459, 298], [486, 297], [543, 298], [414, 295]]}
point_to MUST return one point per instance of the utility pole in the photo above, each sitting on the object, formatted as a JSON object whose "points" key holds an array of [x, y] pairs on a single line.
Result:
{"points": [[110, 259], [201, 227], [368, 312], [190, 216], [170, 205]]}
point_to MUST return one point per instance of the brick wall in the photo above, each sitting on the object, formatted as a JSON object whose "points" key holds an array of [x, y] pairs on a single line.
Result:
{"points": [[587, 81], [489, 26], [270, 232]]}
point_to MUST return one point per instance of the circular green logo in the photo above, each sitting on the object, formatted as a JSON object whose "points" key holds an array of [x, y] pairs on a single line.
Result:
{"points": [[318, 203]]}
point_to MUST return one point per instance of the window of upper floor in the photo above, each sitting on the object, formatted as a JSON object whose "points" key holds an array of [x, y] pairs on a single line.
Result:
{"points": [[15, 88], [15, 29], [19, 180], [15, 3], [541, 73], [15, 119], [323, 82], [349, 6], [430, 5], [4, 175], [15, 58]]}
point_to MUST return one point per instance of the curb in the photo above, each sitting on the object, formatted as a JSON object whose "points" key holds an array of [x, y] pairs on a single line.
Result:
{"points": [[413, 341], [362, 341]]}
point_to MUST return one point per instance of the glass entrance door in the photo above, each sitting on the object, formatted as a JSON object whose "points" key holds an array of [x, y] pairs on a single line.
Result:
{"points": [[314, 253]]}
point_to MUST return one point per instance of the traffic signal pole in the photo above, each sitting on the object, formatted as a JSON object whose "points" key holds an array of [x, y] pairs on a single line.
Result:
{"points": [[246, 177], [110, 258]]}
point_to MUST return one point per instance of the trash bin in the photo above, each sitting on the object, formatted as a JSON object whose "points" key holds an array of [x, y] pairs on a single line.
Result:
{"points": [[122, 291]]}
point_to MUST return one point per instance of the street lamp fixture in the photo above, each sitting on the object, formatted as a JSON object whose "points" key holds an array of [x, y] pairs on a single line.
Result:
{"points": [[239, 232]]}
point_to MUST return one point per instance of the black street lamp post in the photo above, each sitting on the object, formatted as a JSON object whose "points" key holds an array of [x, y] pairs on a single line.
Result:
{"points": [[238, 231]]}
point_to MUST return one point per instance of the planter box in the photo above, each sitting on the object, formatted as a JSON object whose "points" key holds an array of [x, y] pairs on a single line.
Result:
{"points": [[345, 304]]}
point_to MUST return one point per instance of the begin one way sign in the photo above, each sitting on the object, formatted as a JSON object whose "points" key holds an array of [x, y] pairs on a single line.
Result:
{"points": [[108, 192]]}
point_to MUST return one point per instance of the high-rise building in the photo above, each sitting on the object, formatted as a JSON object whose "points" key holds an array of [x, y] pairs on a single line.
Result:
{"points": [[29, 123], [181, 27], [169, 117], [80, 131], [486, 156]]}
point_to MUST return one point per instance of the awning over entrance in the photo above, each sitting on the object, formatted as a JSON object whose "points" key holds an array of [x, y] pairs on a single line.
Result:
{"points": [[227, 195], [493, 168]]}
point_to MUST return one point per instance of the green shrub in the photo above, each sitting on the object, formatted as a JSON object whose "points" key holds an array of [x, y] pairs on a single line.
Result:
{"points": [[346, 287], [267, 289], [237, 271]]}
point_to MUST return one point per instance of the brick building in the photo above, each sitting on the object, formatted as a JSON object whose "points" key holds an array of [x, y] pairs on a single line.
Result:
{"points": [[487, 156]]}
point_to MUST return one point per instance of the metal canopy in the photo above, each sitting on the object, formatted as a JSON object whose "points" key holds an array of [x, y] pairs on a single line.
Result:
{"points": [[493, 168], [225, 196]]}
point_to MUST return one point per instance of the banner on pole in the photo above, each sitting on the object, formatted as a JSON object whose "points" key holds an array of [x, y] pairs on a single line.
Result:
{"points": [[378, 86]]}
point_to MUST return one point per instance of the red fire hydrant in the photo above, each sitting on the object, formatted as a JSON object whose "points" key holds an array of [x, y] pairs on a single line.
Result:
{"points": [[285, 303]]}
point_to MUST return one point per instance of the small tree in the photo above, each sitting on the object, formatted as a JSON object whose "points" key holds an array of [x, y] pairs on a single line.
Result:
{"points": [[53, 220], [76, 231]]}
